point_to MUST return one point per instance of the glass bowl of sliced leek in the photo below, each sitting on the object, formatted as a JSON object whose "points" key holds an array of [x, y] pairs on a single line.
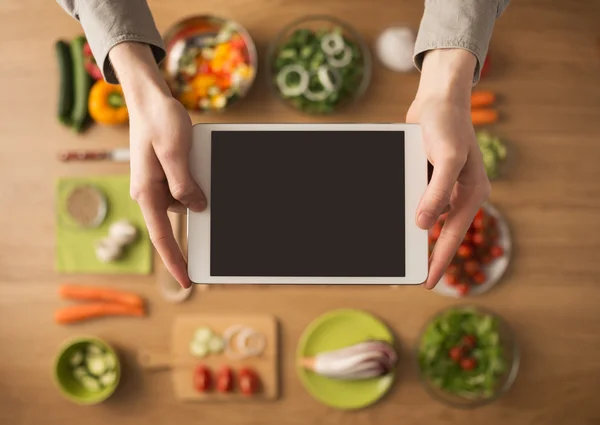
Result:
{"points": [[318, 65]]}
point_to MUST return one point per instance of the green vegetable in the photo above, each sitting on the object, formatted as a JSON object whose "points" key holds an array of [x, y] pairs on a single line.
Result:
{"points": [[65, 95], [332, 62], [493, 152], [94, 368], [447, 333], [82, 84]]}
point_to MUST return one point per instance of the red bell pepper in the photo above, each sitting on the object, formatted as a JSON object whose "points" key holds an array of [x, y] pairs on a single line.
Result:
{"points": [[90, 63]]}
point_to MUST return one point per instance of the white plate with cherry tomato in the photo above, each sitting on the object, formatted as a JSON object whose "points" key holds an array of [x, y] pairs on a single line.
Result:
{"points": [[482, 258]]}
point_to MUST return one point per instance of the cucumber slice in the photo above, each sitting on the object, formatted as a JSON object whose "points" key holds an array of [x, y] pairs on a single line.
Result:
{"points": [[93, 350], [198, 349], [96, 365], [76, 359], [80, 372], [90, 384], [110, 361], [108, 378], [216, 344], [203, 334]]}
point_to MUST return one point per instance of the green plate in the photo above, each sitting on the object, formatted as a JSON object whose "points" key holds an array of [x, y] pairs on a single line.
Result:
{"points": [[335, 330]]}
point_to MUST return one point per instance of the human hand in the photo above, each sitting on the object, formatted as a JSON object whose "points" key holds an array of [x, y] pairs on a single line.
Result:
{"points": [[459, 183], [160, 143]]}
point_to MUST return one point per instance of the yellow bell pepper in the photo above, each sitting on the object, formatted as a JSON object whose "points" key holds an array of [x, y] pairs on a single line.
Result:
{"points": [[106, 104], [201, 83]]}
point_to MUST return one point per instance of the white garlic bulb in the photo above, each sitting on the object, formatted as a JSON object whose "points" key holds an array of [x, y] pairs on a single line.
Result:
{"points": [[108, 250], [395, 48], [122, 232]]}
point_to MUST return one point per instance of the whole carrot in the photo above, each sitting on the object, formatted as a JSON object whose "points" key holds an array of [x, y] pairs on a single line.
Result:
{"points": [[78, 313], [94, 293], [482, 98], [484, 116]]}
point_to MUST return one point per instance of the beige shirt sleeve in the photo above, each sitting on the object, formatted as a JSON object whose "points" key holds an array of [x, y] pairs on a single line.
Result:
{"points": [[107, 23], [463, 24]]}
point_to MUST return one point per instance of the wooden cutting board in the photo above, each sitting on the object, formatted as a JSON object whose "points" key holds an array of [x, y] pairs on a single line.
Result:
{"points": [[181, 362]]}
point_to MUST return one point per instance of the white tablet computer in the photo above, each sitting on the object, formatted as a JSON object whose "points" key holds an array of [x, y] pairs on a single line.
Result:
{"points": [[308, 204]]}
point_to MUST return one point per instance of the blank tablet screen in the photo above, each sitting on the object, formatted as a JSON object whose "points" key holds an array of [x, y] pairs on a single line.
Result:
{"points": [[312, 203]]}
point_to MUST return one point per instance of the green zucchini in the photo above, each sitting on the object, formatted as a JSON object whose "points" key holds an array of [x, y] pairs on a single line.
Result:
{"points": [[82, 85], [65, 94]]}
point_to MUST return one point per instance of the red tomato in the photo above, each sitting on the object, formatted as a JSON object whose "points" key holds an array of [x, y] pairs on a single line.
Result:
{"points": [[468, 364], [477, 223], [469, 341], [237, 42], [435, 231], [462, 288], [248, 381], [453, 270], [478, 239], [496, 251], [456, 353], [451, 279], [485, 68], [479, 278], [486, 259], [202, 378], [224, 380], [205, 68], [480, 213], [464, 251], [471, 267]]}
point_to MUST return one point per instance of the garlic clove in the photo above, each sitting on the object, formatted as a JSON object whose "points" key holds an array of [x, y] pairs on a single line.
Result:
{"points": [[395, 47], [123, 232], [108, 250]]}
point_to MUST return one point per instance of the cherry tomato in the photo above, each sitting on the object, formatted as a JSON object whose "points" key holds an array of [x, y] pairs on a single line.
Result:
{"points": [[477, 223], [202, 378], [479, 278], [456, 353], [435, 232], [451, 279], [248, 381], [224, 380], [496, 251], [462, 288], [480, 213], [471, 267], [453, 270], [468, 363], [469, 341], [478, 239], [464, 251], [486, 259]]}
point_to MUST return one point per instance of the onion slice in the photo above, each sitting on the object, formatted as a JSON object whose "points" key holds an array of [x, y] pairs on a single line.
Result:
{"points": [[343, 61], [237, 338], [297, 89], [332, 44]]}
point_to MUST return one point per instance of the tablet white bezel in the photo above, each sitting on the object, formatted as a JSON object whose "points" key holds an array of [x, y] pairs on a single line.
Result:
{"points": [[199, 223]]}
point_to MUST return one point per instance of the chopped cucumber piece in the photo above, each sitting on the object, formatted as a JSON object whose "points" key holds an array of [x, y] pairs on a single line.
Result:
{"points": [[108, 378], [89, 383], [96, 365], [80, 372], [93, 350], [110, 361], [216, 344], [203, 334], [76, 359], [198, 348]]}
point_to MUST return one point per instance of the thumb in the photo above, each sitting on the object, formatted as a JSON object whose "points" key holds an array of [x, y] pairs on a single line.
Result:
{"points": [[437, 195], [182, 185]]}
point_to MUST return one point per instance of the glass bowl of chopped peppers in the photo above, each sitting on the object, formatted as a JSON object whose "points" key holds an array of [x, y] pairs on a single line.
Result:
{"points": [[210, 64], [318, 64], [467, 356]]}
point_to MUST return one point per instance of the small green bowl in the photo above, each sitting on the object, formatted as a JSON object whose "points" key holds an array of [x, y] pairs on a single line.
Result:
{"points": [[66, 382]]}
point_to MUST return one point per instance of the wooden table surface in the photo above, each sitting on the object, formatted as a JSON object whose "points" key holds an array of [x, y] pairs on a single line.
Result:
{"points": [[546, 68]]}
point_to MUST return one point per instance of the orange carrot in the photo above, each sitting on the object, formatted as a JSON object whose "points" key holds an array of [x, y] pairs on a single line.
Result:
{"points": [[482, 98], [484, 116], [94, 293], [78, 313]]}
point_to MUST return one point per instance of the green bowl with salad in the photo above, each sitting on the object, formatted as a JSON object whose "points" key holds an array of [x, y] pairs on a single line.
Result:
{"points": [[87, 370], [467, 357], [318, 65], [210, 62]]}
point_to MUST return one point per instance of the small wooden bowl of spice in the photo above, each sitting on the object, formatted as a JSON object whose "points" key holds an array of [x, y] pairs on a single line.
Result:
{"points": [[86, 205]]}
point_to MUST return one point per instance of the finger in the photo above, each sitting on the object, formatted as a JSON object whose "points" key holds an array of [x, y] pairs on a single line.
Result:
{"points": [[437, 195], [182, 185], [177, 207], [161, 235], [452, 235]]}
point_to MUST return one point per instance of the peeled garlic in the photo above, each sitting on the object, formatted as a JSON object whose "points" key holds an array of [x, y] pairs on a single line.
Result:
{"points": [[108, 250], [122, 232], [395, 49]]}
